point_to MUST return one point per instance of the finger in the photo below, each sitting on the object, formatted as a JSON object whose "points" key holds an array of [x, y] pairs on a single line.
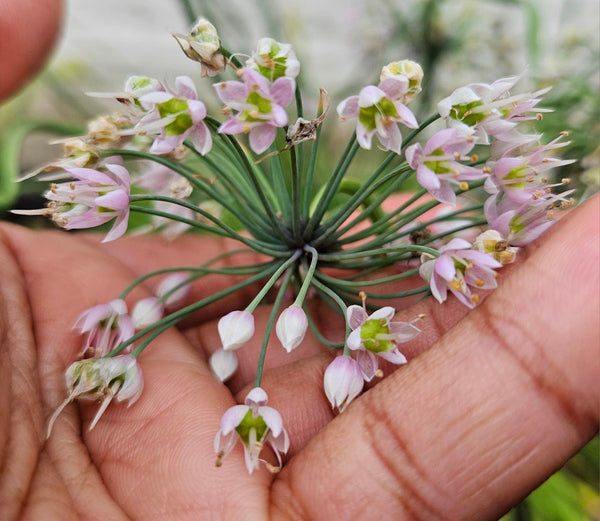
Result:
{"points": [[470, 426], [160, 449], [29, 28]]}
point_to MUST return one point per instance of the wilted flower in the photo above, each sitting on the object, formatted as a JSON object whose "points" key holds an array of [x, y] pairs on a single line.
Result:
{"points": [[203, 45], [343, 381], [376, 334], [101, 379], [235, 329], [105, 327], [259, 105], [377, 111], [274, 60], [254, 424], [291, 327], [223, 364], [93, 199], [457, 268]]}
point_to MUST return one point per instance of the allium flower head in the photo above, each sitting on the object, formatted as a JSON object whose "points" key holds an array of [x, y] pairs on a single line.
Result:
{"points": [[376, 335], [438, 164], [377, 111], [253, 424], [291, 327], [274, 60], [411, 70], [343, 381], [94, 198], [175, 114], [235, 329], [203, 45], [457, 269], [103, 379], [105, 327], [259, 105]]}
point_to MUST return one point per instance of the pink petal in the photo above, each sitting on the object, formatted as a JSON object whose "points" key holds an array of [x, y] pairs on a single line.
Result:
{"points": [[394, 357], [368, 364], [356, 316], [272, 418], [282, 90], [261, 138], [354, 340], [348, 109], [185, 88], [201, 138], [231, 92], [369, 96], [232, 418]]}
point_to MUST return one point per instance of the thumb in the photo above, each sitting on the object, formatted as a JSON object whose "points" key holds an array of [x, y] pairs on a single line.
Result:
{"points": [[466, 429], [29, 28]]}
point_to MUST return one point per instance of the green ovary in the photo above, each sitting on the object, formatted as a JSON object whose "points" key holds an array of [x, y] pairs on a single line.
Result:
{"points": [[438, 167], [250, 422], [369, 332], [463, 112], [384, 108], [263, 106], [518, 174], [516, 225], [178, 108]]}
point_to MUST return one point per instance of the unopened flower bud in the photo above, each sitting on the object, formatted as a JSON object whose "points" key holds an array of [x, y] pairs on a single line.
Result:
{"points": [[173, 290], [411, 70], [291, 327], [223, 364], [146, 312], [274, 60], [235, 329], [203, 45], [343, 381]]}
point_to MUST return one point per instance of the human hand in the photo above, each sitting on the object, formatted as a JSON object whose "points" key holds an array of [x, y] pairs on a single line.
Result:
{"points": [[478, 417]]}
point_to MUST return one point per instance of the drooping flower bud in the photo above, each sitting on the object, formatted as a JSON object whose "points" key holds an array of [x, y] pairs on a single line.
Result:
{"points": [[235, 329], [223, 364], [146, 312], [173, 289], [291, 327], [203, 45], [343, 381], [103, 379]]}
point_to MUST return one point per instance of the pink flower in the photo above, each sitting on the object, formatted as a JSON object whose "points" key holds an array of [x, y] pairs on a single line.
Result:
{"points": [[259, 105], [457, 268], [438, 165], [93, 199], [105, 327], [274, 59], [376, 334], [101, 379], [480, 109], [377, 111], [254, 424], [522, 223], [343, 381], [176, 115]]}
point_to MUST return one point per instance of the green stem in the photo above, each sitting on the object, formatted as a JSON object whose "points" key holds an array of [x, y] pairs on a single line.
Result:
{"points": [[309, 275], [295, 198], [269, 327], [274, 278], [170, 320]]}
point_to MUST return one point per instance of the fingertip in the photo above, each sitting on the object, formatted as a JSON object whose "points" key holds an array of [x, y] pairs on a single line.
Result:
{"points": [[30, 28]]}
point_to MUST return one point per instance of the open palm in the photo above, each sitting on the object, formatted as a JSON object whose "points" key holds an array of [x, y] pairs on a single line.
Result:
{"points": [[481, 414]]}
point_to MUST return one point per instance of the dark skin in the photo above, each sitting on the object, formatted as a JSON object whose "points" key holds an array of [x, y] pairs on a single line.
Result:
{"points": [[481, 414]]}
